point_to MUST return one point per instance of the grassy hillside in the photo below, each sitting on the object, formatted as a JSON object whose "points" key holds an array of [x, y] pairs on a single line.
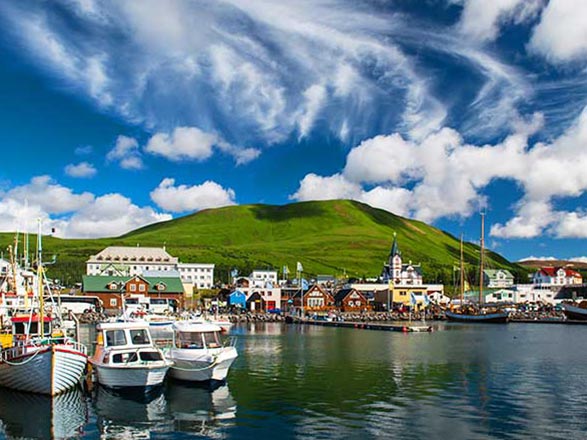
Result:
{"points": [[331, 237]]}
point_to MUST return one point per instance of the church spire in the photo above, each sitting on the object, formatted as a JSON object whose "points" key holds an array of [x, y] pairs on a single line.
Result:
{"points": [[394, 247]]}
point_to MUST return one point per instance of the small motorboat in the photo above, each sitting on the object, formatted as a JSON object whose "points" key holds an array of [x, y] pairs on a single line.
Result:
{"points": [[196, 350], [126, 357]]}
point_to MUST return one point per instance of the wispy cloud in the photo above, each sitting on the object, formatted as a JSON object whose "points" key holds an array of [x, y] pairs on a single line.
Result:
{"points": [[126, 152]]}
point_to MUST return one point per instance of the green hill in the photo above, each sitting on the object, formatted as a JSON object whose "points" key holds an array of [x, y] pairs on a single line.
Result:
{"points": [[328, 237]]}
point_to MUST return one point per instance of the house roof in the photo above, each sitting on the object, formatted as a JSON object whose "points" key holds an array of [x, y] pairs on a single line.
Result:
{"points": [[551, 271], [343, 293], [492, 273], [99, 284], [133, 254]]}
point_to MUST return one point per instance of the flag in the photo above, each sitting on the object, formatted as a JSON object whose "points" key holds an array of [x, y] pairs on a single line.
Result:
{"points": [[299, 267], [285, 270], [234, 273], [413, 299], [426, 300]]}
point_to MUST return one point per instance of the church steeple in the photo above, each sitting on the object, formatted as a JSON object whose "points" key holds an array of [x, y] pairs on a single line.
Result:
{"points": [[394, 248]]}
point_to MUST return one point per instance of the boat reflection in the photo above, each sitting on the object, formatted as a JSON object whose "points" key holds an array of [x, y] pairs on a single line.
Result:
{"points": [[59, 417], [177, 408], [199, 409]]}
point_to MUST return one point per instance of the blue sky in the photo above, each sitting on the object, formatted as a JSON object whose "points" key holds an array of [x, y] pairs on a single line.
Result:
{"points": [[117, 114]]}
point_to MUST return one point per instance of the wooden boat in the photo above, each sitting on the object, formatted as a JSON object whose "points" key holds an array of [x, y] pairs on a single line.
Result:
{"points": [[489, 318], [576, 312], [38, 364], [477, 314], [42, 359], [196, 351], [126, 357]]}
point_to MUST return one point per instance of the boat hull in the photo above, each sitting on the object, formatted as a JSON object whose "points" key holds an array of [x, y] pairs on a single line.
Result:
{"points": [[149, 376], [191, 367], [48, 370], [487, 318], [574, 312]]}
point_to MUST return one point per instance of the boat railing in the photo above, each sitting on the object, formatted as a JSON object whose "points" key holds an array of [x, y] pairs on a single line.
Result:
{"points": [[230, 342]]}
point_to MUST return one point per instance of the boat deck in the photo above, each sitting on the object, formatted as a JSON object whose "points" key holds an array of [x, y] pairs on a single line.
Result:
{"points": [[405, 328]]}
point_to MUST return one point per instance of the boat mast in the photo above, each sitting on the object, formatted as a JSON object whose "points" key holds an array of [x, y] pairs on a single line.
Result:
{"points": [[482, 245], [462, 276], [40, 281]]}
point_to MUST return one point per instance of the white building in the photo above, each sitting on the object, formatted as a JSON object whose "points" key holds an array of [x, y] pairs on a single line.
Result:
{"points": [[130, 261], [556, 276], [399, 273], [199, 275], [262, 278]]}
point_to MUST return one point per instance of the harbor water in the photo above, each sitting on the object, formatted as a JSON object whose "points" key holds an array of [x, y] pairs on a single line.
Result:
{"points": [[514, 381]]}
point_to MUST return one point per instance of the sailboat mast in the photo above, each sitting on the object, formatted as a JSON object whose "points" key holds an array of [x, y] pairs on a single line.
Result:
{"points": [[40, 282], [482, 245], [462, 278]]}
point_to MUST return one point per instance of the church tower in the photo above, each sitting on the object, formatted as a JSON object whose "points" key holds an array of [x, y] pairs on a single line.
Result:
{"points": [[392, 269]]}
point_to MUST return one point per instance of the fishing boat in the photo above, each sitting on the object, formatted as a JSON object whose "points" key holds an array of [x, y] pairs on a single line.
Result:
{"points": [[577, 312], [477, 314], [126, 358], [196, 351], [42, 359]]}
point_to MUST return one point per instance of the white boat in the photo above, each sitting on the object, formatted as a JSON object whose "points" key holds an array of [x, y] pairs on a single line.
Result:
{"points": [[126, 357], [38, 364], [196, 351], [41, 359]]}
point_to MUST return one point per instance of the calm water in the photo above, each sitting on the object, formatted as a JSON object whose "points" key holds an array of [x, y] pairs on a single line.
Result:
{"points": [[461, 382]]}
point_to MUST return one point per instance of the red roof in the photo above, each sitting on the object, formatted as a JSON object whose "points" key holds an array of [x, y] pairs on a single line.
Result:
{"points": [[26, 318], [551, 271]]}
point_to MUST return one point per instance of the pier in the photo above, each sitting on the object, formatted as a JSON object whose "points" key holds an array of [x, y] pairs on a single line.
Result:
{"points": [[405, 328]]}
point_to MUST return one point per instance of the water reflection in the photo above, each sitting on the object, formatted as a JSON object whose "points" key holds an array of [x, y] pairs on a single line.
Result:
{"points": [[34, 416], [175, 408]]}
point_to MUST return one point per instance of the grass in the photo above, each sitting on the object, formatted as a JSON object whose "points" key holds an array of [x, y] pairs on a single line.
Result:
{"points": [[328, 237]]}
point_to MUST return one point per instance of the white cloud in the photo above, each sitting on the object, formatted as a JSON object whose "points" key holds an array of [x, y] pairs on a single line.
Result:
{"points": [[109, 215], [442, 176], [481, 19], [72, 215], [561, 35], [82, 169], [183, 198], [185, 143], [126, 153], [532, 258], [51, 197], [191, 143]]}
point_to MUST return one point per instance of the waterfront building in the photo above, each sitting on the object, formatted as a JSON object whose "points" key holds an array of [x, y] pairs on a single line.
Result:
{"points": [[128, 261], [263, 278], [498, 278], [396, 272], [556, 276], [199, 275], [351, 300], [315, 299], [112, 290], [237, 299]]}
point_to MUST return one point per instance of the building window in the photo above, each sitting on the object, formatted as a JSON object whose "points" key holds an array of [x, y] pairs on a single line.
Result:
{"points": [[112, 302], [141, 287], [133, 287]]}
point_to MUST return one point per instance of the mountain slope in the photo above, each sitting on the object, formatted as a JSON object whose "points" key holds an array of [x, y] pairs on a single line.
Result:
{"points": [[328, 237]]}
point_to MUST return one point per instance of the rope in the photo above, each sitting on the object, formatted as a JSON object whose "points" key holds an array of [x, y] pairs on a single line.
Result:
{"points": [[16, 364]]}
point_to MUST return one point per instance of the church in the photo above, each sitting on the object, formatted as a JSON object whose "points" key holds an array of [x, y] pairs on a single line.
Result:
{"points": [[398, 273]]}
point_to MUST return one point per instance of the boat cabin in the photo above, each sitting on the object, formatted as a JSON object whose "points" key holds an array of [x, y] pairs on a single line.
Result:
{"points": [[188, 335], [27, 325], [124, 343]]}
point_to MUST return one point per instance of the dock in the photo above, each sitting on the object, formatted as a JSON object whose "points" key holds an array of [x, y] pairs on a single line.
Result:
{"points": [[406, 328]]}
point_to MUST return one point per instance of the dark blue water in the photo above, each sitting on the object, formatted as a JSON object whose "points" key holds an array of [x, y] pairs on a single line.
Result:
{"points": [[512, 381]]}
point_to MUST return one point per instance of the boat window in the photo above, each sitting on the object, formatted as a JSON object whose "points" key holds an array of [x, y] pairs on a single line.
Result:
{"points": [[189, 340], [139, 337], [120, 358], [115, 337], [211, 339], [149, 356]]}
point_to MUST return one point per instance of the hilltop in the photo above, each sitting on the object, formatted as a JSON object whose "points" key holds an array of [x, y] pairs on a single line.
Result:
{"points": [[328, 237]]}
